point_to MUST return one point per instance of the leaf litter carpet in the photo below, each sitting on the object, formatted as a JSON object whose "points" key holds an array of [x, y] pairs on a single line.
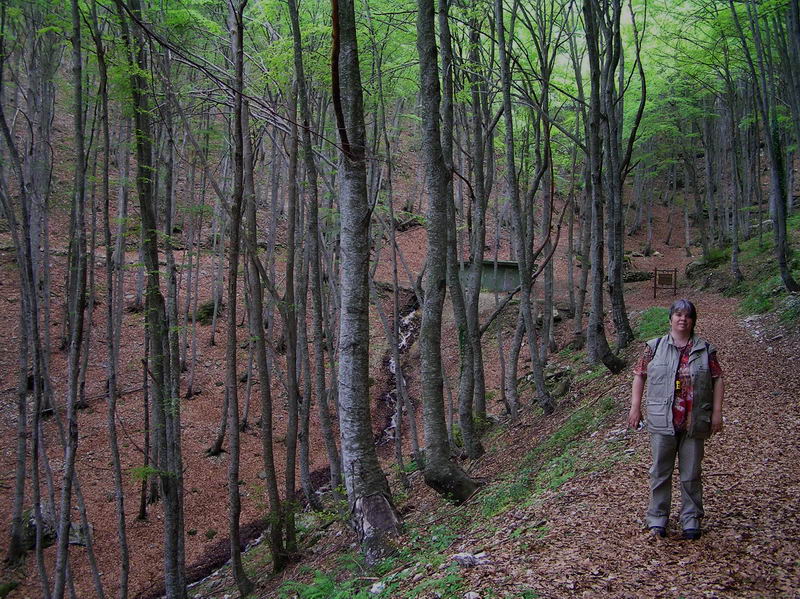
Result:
{"points": [[588, 538]]}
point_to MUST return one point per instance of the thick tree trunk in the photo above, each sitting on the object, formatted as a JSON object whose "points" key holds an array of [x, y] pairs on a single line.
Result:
{"points": [[373, 515]]}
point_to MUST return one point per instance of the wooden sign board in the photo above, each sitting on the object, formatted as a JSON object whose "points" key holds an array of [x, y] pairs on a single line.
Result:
{"points": [[665, 279]]}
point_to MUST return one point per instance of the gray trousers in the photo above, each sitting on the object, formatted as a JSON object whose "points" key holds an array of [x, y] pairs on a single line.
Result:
{"points": [[690, 456]]}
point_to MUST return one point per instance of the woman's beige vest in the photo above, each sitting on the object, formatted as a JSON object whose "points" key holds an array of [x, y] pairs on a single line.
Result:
{"points": [[661, 373]]}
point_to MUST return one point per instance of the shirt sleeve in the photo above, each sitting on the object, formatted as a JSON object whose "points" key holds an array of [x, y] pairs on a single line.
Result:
{"points": [[713, 364], [641, 365]]}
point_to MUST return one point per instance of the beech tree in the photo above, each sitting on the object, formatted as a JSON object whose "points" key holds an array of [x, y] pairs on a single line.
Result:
{"points": [[373, 515], [440, 472]]}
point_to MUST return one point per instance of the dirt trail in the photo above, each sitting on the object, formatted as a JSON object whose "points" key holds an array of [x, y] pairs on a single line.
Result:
{"points": [[592, 542]]}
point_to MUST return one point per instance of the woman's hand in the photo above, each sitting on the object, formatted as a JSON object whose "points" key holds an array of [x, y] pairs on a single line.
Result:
{"points": [[716, 422], [634, 417], [716, 410]]}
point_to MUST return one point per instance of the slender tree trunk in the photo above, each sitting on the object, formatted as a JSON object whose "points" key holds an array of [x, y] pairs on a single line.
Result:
{"points": [[77, 307], [522, 243], [479, 197], [289, 315], [313, 239], [236, 27], [772, 140], [167, 424], [112, 323], [16, 549], [467, 361], [598, 349], [304, 368], [440, 473], [258, 330]]}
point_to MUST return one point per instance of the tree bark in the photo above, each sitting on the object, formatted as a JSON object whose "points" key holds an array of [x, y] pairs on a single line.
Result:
{"points": [[236, 28], [313, 239], [598, 349], [440, 472], [373, 515]]}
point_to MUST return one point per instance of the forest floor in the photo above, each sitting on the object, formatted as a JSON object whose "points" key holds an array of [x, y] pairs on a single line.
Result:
{"points": [[560, 514]]}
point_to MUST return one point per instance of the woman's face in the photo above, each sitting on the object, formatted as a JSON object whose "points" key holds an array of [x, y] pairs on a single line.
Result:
{"points": [[681, 322]]}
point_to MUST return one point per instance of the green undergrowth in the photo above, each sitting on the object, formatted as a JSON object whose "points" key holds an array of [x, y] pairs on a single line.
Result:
{"points": [[653, 322], [762, 289], [428, 541], [353, 580], [555, 460], [593, 372]]}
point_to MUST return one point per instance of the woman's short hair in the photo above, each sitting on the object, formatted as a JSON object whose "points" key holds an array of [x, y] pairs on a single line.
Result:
{"points": [[683, 305]]}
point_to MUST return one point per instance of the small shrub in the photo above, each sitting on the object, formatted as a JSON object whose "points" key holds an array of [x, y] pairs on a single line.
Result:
{"points": [[483, 424], [442, 536], [410, 466], [591, 374], [324, 586], [760, 297], [211, 533], [790, 310], [451, 585], [205, 312], [717, 256]]}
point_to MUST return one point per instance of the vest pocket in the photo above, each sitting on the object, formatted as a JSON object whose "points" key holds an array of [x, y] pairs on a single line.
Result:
{"points": [[701, 421], [658, 414]]}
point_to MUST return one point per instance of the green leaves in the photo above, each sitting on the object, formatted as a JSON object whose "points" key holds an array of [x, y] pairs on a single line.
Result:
{"points": [[188, 19], [140, 473]]}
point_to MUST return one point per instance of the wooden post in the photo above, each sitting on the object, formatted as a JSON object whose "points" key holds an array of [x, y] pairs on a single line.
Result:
{"points": [[655, 281]]}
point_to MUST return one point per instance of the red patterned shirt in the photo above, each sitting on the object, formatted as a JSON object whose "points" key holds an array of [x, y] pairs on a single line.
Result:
{"points": [[682, 404]]}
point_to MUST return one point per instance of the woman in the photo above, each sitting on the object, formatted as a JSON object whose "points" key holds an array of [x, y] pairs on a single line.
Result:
{"points": [[684, 408]]}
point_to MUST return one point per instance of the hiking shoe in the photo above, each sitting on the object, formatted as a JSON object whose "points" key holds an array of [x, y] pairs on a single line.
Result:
{"points": [[658, 531], [691, 534]]}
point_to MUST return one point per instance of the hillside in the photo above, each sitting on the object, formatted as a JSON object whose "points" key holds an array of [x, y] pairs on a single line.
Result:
{"points": [[560, 513]]}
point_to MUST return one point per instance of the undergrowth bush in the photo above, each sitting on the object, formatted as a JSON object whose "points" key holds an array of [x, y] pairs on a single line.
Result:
{"points": [[205, 312], [762, 289], [717, 256], [324, 586]]}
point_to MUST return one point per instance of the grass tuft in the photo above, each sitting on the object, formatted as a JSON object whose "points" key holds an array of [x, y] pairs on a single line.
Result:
{"points": [[654, 322]]}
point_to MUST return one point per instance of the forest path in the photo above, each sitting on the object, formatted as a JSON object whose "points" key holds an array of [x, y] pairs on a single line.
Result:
{"points": [[588, 539]]}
